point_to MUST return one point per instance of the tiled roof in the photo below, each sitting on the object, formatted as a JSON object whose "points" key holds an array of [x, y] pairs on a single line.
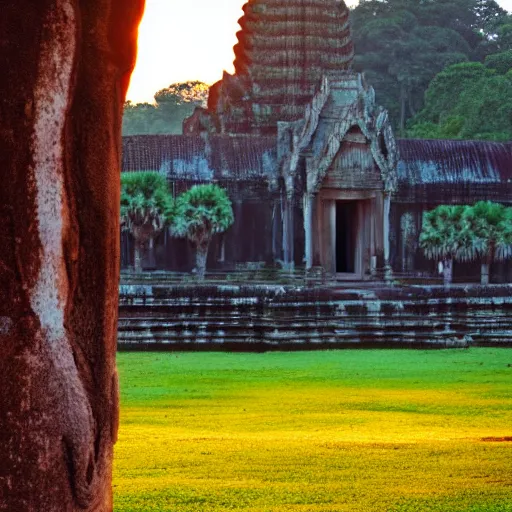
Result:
{"points": [[428, 170], [219, 157], [454, 161]]}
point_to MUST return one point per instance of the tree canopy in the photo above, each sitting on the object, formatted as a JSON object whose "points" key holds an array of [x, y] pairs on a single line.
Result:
{"points": [[402, 44], [468, 101], [482, 232], [172, 105], [147, 207], [201, 212]]}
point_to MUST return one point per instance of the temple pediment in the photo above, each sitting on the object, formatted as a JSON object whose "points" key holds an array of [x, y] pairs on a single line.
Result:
{"points": [[347, 140]]}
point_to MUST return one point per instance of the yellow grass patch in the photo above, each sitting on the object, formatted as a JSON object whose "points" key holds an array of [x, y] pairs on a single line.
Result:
{"points": [[300, 432]]}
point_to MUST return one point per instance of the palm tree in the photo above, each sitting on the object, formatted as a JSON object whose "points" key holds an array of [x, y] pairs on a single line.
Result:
{"points": [[444, 237], [146, 208], [201, 212], [491, 225]]}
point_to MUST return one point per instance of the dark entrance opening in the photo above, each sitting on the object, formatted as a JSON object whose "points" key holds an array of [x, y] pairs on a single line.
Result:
{"points": [[346, 220]]}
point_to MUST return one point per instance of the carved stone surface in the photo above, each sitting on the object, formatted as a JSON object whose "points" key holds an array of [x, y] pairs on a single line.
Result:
{"points": [[342, 150], [278, 317], [66, 66], [342, 122], [429, 173], [284, 49]]}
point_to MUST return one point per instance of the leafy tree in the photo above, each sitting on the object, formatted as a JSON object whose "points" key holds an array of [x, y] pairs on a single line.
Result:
{"points": [[139, 118], [402, 44], [489, 17], [146, 208], [490, 225], [487, 110], [201, 212], [447, 86], [172, 105], [192, 92], [465, 233], [397, 50], [500, 62], [494, 36], [444, 238], [178, 101], [504, 33], [467, 101]]}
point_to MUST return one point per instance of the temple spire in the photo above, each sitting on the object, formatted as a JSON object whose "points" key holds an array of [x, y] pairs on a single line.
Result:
{"points": [[284, 49]]}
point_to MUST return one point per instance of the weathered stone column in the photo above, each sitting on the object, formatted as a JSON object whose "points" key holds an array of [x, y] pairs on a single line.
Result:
{"points": [[288, 231], [238, 228], [373, 256], [308, 229], [387, 208], [277, 243], [65, 69], [379, 231]]}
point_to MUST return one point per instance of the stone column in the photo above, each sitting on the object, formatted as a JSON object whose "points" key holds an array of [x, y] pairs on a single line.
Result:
{"points": [[387, 207], [309, 200], [288, 231], [285, 230], [276, 221], [330, 235], [65, 69], [373, 253], [379, 231], [290, 221]]}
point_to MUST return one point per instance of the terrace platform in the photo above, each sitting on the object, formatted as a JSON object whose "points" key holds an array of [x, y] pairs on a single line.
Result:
{"points": [[160, 313]]}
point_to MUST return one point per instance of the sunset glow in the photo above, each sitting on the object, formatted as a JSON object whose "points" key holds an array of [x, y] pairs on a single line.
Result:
{"points": [[181, 41], [191, 40]]}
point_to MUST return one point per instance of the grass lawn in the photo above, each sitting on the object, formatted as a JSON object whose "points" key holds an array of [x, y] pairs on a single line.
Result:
{"points": [[350, 430]]}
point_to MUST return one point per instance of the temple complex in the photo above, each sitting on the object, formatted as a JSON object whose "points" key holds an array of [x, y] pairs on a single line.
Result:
{"points": [[309, 159]]}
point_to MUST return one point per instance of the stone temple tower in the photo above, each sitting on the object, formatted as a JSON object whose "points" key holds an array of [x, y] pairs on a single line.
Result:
{"points": [[284, 49], [336, 154]]}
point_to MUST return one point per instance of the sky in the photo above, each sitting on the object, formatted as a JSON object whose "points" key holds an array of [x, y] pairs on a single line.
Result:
{"points": [[192, 40]]}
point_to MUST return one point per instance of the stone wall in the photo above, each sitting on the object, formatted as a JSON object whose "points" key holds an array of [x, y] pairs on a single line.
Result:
{"points": [[266, 317]]}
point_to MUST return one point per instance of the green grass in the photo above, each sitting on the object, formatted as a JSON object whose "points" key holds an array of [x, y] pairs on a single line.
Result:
{"points": [[389, 430]]}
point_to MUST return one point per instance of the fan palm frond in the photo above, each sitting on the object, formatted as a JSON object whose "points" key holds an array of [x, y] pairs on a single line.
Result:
{"points": [[443, 233]]}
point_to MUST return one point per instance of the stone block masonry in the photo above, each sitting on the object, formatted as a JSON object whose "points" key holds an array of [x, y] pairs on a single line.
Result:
{"points": [[274, 317]]}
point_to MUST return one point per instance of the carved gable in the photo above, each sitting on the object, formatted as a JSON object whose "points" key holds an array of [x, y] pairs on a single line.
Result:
{"points": [[346, 141], [354, 166]]}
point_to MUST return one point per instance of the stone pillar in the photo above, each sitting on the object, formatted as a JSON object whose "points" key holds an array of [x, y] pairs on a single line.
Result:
{"points": [[285, 229], [309, 200], [288, 231], [65, 69], [330, 235], [276, 221], [379, 231], [385, 230], [381, 267], [291, 233]]}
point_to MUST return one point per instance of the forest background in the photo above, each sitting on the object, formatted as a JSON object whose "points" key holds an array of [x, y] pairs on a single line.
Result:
{"points": [[442, 68]]}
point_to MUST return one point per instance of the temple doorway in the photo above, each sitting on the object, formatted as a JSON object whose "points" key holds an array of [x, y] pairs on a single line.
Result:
{"points": [[347, 232], [346, 236]]}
